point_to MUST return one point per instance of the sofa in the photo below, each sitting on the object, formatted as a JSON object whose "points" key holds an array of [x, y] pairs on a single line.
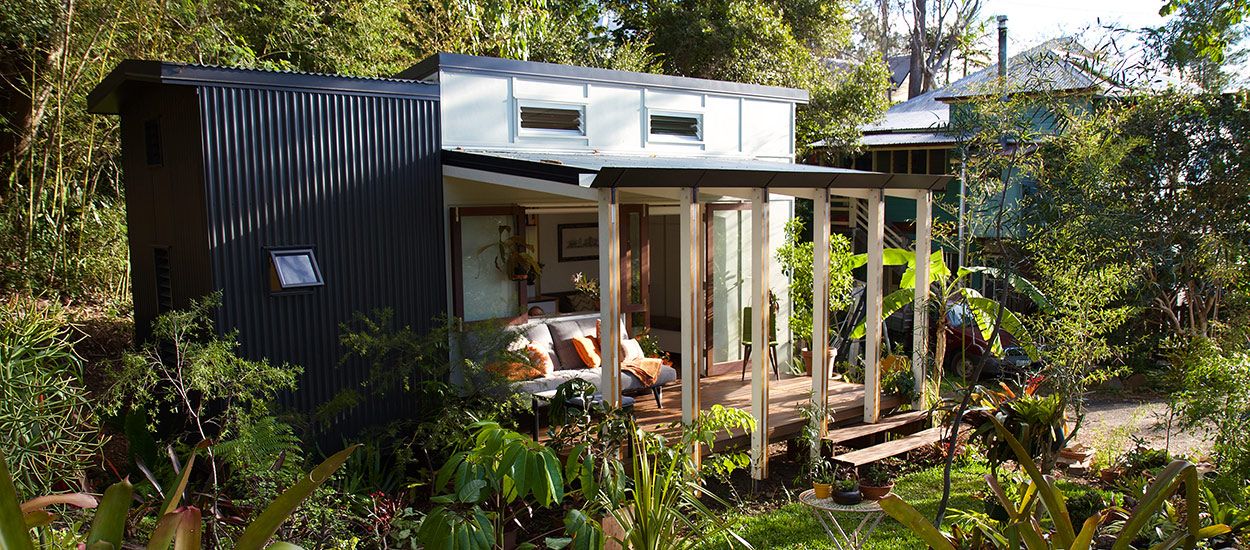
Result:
{"points": [[554, 334]]}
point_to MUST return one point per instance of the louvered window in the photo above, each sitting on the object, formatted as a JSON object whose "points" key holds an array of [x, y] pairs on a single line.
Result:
{"points": [[683, 126], [164, 280], [563, 120]]}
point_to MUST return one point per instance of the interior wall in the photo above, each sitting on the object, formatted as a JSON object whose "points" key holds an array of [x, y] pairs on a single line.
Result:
{"points": [[665, 293], [557, 275]]}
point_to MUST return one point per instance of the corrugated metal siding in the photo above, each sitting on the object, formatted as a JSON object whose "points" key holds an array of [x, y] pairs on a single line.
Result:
{"points": [[355, 177]]}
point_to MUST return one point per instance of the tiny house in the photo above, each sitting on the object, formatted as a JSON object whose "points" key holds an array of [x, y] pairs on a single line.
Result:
{"points": [[305, 199]]}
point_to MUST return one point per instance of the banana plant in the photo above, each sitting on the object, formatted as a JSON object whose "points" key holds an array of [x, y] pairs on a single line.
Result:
{"points": [[501, 476], [946, 290], [179, 525], [1024, 526]]}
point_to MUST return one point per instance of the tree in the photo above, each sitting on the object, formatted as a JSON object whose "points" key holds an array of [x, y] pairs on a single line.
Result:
{"points": [[1169, 200], [934, 37], [1207, 28], [778, 43], [1201, 42]]}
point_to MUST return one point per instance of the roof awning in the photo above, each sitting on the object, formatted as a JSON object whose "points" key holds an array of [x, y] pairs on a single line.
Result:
{"points": [[626, 171]]}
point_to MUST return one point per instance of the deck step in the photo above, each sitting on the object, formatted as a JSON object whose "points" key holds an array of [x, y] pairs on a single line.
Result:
{"points": [[886, 424], [888, 449]]}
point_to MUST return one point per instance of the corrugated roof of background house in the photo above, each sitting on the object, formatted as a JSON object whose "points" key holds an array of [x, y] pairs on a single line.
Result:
{"points": [[1057, 65]]}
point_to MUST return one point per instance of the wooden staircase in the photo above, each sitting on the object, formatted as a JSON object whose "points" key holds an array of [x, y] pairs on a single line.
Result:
{"points": [[853, 215], [892, 424]]}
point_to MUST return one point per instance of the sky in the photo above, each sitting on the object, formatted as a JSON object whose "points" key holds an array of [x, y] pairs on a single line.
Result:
{"points": [[1030, 22]]}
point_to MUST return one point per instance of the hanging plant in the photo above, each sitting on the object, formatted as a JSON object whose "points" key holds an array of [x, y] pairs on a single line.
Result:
{"points": [[514, 256]]}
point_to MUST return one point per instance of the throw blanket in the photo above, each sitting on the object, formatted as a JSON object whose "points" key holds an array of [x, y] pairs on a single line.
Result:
{"points": [[645, 369]]}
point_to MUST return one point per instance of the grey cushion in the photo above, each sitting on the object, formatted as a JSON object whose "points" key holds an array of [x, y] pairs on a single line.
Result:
{"points": [[630, 383], [548, 383], [562, 333]]}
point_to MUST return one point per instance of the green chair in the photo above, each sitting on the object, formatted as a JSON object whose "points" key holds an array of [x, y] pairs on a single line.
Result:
{"points": [[746, 342]]}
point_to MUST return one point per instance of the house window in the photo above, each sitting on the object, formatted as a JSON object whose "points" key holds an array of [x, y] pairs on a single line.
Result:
{"points": [[553, 119], [679, 126], [937, 162], [152, 142], [919, 162], [899, 164], [293, 269]]}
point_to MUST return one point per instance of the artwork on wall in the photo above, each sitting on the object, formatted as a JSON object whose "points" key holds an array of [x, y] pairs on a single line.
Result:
{"points": [[577, 241]]}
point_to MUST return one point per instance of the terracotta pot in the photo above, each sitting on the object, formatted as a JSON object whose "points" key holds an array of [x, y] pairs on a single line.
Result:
{"points": [[822, 490], [807, 361], [848, 498], [875, 493]]}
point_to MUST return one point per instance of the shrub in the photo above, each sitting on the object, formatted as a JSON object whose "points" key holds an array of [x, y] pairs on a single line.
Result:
{"points": [[48, 428], [1216, 393], [796, 258], [452, 393], [189, 369]]}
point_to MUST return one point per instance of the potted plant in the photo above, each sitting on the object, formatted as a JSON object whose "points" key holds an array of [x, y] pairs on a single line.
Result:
{"points": [[875, 481], [515, 257], [822, 476], [846, 491]]}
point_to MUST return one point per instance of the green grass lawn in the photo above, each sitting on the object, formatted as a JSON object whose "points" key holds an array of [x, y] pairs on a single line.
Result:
{"points": [[793, 527]]}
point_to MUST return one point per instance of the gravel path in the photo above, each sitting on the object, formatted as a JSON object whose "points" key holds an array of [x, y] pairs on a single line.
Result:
{"points": [[1113, 419]]}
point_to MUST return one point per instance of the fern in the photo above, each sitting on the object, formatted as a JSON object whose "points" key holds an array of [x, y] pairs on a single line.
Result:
{"points": [[262, 448]]}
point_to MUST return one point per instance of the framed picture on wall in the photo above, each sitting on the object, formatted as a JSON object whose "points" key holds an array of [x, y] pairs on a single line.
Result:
{"points": [[577, 241]]}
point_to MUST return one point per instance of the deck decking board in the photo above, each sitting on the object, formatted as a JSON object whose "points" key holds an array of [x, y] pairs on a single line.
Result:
{"points": [[887, 424], [888, 449], [785, 396]]}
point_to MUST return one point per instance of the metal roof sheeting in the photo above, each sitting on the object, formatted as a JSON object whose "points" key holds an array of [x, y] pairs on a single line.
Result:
{"points": [[908, 138], [660, 171], [103, 99], [430, 66], [1057, 65]]}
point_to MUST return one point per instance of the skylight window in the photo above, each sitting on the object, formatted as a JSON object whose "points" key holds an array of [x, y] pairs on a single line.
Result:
{"points": [[553, 119], [682, 126], [293, 269]]}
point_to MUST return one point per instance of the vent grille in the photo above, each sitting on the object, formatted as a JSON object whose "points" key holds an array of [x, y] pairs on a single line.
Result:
{"points": [[551, 118], [670, 125], [164, 281]]}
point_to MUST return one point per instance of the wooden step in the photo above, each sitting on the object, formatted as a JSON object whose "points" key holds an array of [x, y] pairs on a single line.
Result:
{"points": [[886, 424], [868, 455]]}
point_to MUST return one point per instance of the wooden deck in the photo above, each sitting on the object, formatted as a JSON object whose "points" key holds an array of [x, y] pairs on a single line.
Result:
{"points": [[846, 402]]}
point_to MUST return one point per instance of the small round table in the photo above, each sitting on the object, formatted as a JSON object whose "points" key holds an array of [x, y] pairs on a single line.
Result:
{"points": [[826, 510]]}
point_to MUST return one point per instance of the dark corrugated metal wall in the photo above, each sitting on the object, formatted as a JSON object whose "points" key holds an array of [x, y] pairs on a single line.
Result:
{"points": [[355, 177]]}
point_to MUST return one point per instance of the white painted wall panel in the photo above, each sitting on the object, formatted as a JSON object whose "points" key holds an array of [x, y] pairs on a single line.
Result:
{"points": [[663, 99], [476, 109], [721, 125], [479, 111], [614, 118], [548, 90], [766, 128]]}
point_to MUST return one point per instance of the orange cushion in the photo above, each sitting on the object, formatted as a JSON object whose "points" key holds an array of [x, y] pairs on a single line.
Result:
{"points": [[539, 365], [540, 359], [586, 349]]}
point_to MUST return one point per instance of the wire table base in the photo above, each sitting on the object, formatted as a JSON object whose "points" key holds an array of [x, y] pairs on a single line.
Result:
{"points": [[826, 511]]}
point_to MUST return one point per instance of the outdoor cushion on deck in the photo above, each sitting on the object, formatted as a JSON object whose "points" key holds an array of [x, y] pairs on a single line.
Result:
{"points": [[556, 334]]}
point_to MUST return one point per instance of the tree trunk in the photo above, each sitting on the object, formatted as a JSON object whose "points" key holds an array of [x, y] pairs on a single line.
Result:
{"points": [[885, 30], [915, 84]]}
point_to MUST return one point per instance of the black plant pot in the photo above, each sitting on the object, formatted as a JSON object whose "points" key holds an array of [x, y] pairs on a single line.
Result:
{"points": [[848, 498], [996, 511]]}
